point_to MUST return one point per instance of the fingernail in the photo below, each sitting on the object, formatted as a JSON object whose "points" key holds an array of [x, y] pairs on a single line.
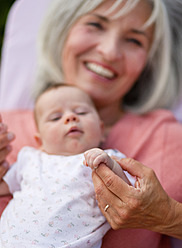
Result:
{"points": [[5, 164], [10, 136], [9, 148], [3, 127]]}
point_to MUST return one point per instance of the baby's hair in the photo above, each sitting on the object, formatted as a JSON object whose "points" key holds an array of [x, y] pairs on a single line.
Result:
{"points": [[47, 87], [54, 85]]}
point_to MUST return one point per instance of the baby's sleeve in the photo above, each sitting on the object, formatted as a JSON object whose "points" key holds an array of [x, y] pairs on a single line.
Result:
{"points": [[11, 179], [13, 176]]}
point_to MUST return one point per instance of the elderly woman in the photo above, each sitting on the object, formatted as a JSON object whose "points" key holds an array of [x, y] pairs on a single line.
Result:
{"points": [[120, 52]]}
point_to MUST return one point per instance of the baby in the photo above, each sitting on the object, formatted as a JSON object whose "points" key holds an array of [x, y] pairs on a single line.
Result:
{"points": [[54, 201]]}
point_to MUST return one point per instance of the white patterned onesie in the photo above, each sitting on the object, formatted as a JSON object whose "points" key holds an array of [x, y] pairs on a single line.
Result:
{"points": [[53, 203]]}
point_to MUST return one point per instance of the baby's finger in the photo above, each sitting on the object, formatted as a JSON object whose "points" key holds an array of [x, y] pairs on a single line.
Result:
{"points": [[89, 157], [98, 160]]}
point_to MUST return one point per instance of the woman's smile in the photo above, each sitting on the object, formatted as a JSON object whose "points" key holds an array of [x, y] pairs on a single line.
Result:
{"points": [[100, 70], [105, 56]]}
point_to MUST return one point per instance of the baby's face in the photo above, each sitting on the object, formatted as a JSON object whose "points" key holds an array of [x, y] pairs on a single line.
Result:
{"points": [[67, 121]]}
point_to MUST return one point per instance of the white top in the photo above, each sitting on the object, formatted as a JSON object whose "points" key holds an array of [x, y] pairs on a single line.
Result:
{"points": [[53, 203]]}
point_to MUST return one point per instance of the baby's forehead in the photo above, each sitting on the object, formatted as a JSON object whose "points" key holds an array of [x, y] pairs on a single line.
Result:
{"points": [[65, 96], [71, 93]]}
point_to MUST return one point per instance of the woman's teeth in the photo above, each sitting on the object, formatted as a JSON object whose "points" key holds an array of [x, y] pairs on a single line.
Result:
{"points": [[101, 71]]}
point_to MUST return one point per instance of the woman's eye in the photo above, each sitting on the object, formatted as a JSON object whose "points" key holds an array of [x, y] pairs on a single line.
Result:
{"points": [[135, 41], [95, 24]]}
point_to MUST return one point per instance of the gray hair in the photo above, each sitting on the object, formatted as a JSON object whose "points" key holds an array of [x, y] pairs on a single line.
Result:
{"points": [[159, 83]]}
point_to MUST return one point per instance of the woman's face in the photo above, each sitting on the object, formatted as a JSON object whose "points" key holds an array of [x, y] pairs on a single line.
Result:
{"points": [[105, 56]]}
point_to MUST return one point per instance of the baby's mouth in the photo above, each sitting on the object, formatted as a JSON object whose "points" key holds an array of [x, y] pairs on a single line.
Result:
{"points": [[100, 70], [74, 130]]}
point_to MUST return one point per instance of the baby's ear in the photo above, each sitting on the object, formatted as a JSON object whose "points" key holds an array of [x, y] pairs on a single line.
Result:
{"points": [[38, 139]]}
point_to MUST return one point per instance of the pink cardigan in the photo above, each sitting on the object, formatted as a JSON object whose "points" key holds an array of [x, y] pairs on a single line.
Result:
{"points": [[154, 139]]}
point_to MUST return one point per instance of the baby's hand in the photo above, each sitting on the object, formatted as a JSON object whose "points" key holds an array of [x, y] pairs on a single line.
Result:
{"points": [[94, 157]]}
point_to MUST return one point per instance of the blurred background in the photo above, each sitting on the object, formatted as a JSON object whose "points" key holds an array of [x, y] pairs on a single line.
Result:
{"points": [[4, 9]]}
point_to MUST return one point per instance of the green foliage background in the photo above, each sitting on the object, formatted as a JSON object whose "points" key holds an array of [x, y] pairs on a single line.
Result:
{"points": [[4, 9]]}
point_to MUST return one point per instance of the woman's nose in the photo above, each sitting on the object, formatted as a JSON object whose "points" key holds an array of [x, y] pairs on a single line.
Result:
{"points": [[70, 117], [110, 47]]}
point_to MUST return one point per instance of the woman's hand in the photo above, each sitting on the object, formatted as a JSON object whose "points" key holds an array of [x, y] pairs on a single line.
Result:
{"points": [[5, 147], [144, 206]]}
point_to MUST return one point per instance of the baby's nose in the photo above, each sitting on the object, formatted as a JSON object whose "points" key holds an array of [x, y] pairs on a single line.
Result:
{"points": [[71, 118]]}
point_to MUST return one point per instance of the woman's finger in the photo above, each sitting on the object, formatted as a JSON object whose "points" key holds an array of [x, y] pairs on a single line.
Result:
{"points": [[103, 194], [4, 166], [125, 201], [114, 183], [133, 167], [4, 152], [5, 139], [136, 205], [107, 201], [3, 128], [118, 213], [111, 215]]}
